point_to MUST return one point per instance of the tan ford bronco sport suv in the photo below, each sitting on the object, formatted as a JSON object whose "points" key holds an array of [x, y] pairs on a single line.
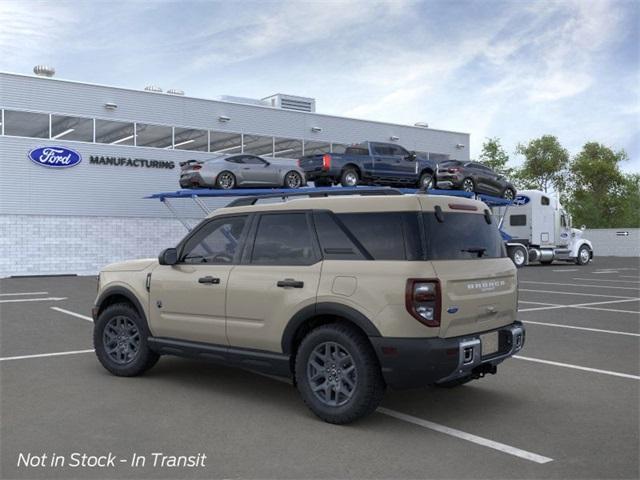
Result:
{"points": [[347, 295]]}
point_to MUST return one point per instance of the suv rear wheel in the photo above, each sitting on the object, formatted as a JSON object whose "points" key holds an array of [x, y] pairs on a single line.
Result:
{"points": [[338, 375], [120, 341]]}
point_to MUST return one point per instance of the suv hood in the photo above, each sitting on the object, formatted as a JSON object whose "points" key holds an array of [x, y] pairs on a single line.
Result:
{"points": [[130, 265]]}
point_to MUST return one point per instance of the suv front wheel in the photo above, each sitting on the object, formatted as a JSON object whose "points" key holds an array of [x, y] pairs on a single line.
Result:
{"points": [[120, 341], [338, 375]]}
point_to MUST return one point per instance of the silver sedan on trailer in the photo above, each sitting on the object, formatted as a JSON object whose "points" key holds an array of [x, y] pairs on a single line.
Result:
{"points": [[241, 170]]}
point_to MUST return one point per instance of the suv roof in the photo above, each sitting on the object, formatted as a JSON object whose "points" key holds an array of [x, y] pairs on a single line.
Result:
{"points": [[369, 203]]}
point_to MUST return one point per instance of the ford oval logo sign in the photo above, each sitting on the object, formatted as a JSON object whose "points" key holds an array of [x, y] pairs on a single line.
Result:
{"points": [[521, 200], [55, 157]]}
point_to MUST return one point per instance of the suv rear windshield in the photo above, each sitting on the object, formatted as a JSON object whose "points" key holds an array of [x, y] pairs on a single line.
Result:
{"points": [[462, 236]]}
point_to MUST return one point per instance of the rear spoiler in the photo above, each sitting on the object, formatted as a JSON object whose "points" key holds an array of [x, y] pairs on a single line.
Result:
{"points": [[188, 162]]}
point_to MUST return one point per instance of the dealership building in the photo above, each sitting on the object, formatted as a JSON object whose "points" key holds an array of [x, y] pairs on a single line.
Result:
{"points": [[126, 145]]}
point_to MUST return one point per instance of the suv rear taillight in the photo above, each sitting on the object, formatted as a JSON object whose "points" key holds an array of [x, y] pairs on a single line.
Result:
{"points": [[299, 162], [326, 161], [196, 167], [422, 299], [453, 170]]}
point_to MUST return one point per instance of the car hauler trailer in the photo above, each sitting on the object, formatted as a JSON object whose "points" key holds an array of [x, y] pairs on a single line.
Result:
{"points": [[538, 229]]}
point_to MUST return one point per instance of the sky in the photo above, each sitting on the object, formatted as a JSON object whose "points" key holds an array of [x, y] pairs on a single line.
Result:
{"points": [[509, 69]]}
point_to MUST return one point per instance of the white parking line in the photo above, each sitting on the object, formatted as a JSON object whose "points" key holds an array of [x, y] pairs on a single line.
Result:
{"points": [[604, 280], [23, 293], [605, 272], [582, 285], [628, 276], [578, 367], [48, 299], [573, 293], [614, 332], [73, 314], [633, 312], [587, 306], [567, 270], [485, 442], [40, 355]]}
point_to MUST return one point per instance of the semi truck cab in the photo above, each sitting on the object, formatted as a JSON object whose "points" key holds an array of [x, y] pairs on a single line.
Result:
{"points": [[539, 229]]}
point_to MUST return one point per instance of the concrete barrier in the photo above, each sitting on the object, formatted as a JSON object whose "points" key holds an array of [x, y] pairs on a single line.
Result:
{"points": [[614, 242]]}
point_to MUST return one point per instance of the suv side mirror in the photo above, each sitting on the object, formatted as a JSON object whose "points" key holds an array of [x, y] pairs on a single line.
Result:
{"points": [[169, 256], [412, 156]]}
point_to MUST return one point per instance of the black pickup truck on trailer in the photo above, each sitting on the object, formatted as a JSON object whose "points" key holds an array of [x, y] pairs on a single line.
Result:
{"points": [[370, 163]]}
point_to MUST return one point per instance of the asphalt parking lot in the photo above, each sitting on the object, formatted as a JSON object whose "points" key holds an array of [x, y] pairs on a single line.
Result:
{"points": [[566, 408]]}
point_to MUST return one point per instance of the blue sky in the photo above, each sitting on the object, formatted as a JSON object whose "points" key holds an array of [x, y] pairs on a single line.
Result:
{"points": [[515, 69]]}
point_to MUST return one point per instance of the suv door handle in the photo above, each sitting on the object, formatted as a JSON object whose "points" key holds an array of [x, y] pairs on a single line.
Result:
{"points": [[209, 280], [290, 282]]}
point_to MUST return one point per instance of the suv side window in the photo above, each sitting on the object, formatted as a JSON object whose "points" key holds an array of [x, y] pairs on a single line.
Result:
{"points": [[385, 235], [335, 240], [284, 239], [216, 242], [237, 159]]}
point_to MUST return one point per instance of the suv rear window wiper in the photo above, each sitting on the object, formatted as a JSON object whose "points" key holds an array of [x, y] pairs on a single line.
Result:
{"points": [[479, 250]]}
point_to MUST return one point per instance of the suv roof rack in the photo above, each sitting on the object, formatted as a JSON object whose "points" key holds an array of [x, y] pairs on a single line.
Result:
{"points": [[315, 193]]}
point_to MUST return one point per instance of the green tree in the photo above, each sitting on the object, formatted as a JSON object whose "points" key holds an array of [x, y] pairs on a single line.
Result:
{"points": [[545, 164], [600, 195], [494, 156]]}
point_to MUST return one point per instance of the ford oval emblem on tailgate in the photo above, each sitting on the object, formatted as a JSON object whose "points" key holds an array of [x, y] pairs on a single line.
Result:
{"points": [[452, 310], [55, 157]]}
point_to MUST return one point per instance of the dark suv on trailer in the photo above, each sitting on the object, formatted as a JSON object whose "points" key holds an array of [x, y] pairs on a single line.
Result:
{"points": [[474, 177]]}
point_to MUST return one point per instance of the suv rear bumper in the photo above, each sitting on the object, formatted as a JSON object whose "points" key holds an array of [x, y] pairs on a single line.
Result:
{"points": [[420, 362]]}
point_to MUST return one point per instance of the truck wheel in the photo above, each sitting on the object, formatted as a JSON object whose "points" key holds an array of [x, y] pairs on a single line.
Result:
{"points": [[518, 256], [349, 178], [226, 180], [426, 181], [338, 375], [468, 185], [120, 341], [584, 255]]}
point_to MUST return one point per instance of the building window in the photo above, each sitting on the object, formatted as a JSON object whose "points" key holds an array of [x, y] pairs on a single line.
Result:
{"points": [[26, 124], [287, 148], [225, 142], [71, 128], [157, 136], [258, 145], [315, 148], [114, 133], [190, 139]]}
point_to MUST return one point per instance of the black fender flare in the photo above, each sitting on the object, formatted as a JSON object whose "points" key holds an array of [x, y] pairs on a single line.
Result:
{"points": [[121, 291], [325, 308]]}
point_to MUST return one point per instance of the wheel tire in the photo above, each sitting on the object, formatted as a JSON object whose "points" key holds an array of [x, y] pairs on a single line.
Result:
{"points": [[226, 180], [338, 340], [468, 185], [508, 194], [292, 180], [323, 182], [584, 255], [455, 383], [122, 324], [518, 256], [349, 178], [426, 181]]}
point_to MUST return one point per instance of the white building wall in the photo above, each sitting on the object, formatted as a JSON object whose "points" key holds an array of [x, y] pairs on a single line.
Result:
{"points": [[612, 242], [48, 245]]}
